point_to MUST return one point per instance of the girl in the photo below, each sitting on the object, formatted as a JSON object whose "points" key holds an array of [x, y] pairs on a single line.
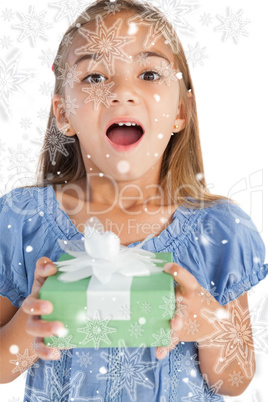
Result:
{"points": [[124, 114]]}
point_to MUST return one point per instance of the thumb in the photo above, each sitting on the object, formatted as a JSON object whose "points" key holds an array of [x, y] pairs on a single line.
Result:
{"points": [[187, 282], [44, 268]]}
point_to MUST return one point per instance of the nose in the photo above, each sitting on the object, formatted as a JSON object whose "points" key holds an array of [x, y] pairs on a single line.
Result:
{"points": [[125, 93]]}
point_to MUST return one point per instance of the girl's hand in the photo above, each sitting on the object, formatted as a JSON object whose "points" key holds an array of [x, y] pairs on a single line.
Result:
{"points": [[34, 307], [188, 324]]}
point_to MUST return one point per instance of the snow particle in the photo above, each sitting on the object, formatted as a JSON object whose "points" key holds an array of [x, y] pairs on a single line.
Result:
{"points": [[157, 98], [9, 226], [199, 176], [103, 370], [237, 220], [29, 249], [123, 166], [142, 321], [224, 241], [107, 156], [41, 213], [160, 136], [14, 349], [156, 155]]}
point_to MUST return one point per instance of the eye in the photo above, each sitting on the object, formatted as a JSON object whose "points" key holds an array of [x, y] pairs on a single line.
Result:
{"points": [[94, 78], [150, 75]]}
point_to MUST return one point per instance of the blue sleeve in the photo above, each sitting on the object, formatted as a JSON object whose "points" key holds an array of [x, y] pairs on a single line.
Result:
{"points": [[230, 252]]}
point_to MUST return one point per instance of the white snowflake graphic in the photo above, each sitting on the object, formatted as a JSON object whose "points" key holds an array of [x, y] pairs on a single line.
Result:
{"points": [[203, 393], [196, 55], [99, 93], [14, 399], [7, 14], [179, 307], [105, 43], [186, 362], [167, 73], [61, 343], [25, 123], [146, 307], [142, 59], [168, 306], [173, 341], [46, 88], [69, 75], [7, 201], [97, 330], [32, 25], [206, 19], [6, 42], [55, 141], [236, 378], [125, 311], [112, 8], [85, 359], [163, 338], [10, 80], [20, 158], [170, 382], [47, 57], [136, 330], [232, 25], [208, 295], [127, 370], [192, 326], [233, 336], [24, 362], [68, 106], [71, 9], [42, 114], [53, 390]]}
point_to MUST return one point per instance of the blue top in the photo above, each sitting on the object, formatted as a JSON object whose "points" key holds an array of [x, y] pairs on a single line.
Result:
{"points": [[219, 245]]}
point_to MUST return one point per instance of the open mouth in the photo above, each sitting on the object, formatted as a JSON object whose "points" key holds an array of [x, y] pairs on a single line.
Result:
{"points": [[125, 134]]}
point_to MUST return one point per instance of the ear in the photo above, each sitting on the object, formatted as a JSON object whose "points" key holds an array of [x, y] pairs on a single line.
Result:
{"points": [[181, 116], [63, 123]]}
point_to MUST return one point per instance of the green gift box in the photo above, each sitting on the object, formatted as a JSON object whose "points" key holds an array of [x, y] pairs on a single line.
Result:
{"points": [[146, 322]]}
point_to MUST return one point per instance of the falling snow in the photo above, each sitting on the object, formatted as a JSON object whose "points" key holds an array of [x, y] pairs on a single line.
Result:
{"points": [[7, 14], [84, 359], [192, 327], [20, 158], [236, 378], [99, 93], [5, 42], [168, 306], [136, 330], [69, 75], [24, 362], [196, 55], [112, 8], [71, 9], [68, 106], [206, 19], [203, 393], [47, 57]]}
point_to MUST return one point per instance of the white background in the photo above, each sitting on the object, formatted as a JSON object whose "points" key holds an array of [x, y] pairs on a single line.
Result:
{"points": [[231, 88]]}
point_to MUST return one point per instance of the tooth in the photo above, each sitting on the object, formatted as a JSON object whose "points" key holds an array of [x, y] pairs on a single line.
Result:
{"points": [[120, 124], [128, 124], [134, 124]]}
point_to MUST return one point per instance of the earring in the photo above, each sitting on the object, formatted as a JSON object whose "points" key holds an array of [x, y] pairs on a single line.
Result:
{"points": [[176, 127], [66, 130]]}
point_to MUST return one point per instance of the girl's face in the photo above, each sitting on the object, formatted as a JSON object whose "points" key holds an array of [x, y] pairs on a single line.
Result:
{"points": [[125, 83]]}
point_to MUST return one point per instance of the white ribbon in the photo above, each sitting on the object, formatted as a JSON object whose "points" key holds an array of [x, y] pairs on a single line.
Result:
{"points": [[110, 265]]}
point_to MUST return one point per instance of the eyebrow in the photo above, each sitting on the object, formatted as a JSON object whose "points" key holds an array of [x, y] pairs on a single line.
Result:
{"points": [[92, 56]]}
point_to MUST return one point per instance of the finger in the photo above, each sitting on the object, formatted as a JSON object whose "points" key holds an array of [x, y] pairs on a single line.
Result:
{"points": [[182, 277], [33, 306], [44, 352], [44, 268], [162, 351], [42, 328]]}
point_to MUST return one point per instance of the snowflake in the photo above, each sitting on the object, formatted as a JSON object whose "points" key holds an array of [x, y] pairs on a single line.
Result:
{"points": [[175, 11], [33, 25], [34, 346], [47, 57], [173, 342], [60, 343], [236, 378], [142, 59], [6, 42], [196, 55], [153, 320], [24, 362], [168, 306], [112, 8], [69, 75], [67, 40], [186, 362], [146, 307], [85, 359], [46, 88], [55, 141], [71, 9], [179, 307], [125, 311], [106, 43], [232, 25], [99, 93], [163, 338], [167, 73], [68, 106], [206, 19], [52, 386], [127, 370], [192, 327], [233, 336], [14, 399], [25, 123], [7, 201], [42, 114], [136, 330], [10, 79], [20, 158], [171, 383], [97, 330], [7, 14], [204, 393], [208, 295]]}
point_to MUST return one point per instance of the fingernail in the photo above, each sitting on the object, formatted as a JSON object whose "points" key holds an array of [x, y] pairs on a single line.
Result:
{"points": [[168, 266], [48, 267], [60, 331]]}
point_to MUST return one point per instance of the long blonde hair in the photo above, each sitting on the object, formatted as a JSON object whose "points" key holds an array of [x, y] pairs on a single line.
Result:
{"points": [[182, 171]]}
